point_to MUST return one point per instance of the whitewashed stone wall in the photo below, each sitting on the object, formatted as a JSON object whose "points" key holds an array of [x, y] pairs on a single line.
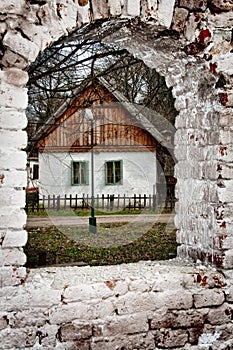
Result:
{"points": [[190, 43], [133, 306]]}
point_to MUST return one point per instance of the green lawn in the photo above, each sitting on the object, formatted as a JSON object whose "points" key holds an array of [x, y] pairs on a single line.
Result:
{"points": [[86, 212], [112, 244]]}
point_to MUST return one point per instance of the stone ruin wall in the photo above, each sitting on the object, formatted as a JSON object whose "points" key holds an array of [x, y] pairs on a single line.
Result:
{"points": [[145, 305]]}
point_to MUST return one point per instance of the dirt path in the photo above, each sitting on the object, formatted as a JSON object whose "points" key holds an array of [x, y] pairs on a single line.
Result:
{"points": [[40, 221]]}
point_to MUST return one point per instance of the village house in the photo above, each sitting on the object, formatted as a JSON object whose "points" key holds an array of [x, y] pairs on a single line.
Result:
{"points": [[130, 150]]}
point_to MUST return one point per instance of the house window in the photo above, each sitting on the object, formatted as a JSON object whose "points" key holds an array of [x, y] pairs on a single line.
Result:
{"points": [[80, 174], [113, 172], [35, 172]]}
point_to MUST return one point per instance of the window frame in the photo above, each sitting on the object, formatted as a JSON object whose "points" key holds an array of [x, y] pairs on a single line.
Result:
{"points": [[86, 173], [114, 173], [35, 172]]}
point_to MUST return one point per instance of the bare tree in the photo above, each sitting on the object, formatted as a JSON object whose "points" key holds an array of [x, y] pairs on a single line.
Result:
{"points": [[58, 71]]}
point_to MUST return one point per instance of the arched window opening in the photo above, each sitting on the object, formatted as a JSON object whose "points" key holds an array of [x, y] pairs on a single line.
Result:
{"points": [[118, 165]]}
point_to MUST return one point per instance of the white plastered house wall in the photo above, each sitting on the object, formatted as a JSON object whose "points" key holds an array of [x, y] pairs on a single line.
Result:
{"points": [[139, 173]]}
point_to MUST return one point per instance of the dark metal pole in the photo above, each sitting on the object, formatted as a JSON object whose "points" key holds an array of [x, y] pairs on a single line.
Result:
{"points": [[92, 218]]}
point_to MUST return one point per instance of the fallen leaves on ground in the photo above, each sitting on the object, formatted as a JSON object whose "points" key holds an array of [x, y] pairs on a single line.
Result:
{"points": [[112, 244]]}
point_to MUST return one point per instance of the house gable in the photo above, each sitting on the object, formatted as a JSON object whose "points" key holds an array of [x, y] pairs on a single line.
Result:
{"points": [[115, 128]]}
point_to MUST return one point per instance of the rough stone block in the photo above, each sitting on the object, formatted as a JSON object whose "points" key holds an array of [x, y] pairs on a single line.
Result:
{"points": [[229, 293], [82, 311], [194, 5], [16, 138], [12, 159], [171, 280], [115, 7], [12, 276], [68, 13], [226, 98], [220, 315], [12, 256], [15, 76], [11, 59], [222, 20], [225, 119], [56, 19], [34, 317], [208, 297], [179, 19], [170, 338], [12, 198], [225, 153], [178, 319], [191, 26], [139, 285], [13, 97], [13, 338], [21, 46], [228, 259], [14, 299], [226, 137], [3, 321], [165, 12], [6, 215], [136, 302], [100, 9], [44, 297], [2, 28], [227, 242], [226, 191], [209, 170], [12, 119], [83, 14], [127, 324], [76, 331], [88, 291], [14, 178], [222, 5], [142, 341], [133, 8], [173, 300], [14, 239], [149, 9], [13, 6]]}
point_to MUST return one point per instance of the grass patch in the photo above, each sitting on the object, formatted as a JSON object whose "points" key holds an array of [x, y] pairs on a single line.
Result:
{"points": [[113, 244], [86, 212]]}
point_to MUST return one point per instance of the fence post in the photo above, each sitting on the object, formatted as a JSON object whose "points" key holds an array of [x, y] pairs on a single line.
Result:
{"points": [[134, 201], [102, 201], [70, 200], [65, 202], [54, 205], [43, 201], [58, 203], [49, 199], [107, 201], [140, 202], [97, 201], [76, 201], [150, 201], [111, 202], [154, 198], [129, 203]]}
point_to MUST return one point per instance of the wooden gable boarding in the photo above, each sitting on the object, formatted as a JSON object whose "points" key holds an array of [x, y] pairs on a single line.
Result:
{"points": [[115, 129]]}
